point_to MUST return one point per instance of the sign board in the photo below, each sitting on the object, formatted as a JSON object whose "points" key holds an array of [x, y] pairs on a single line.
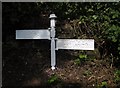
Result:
{"points": [[33, 34], [75, 44]]}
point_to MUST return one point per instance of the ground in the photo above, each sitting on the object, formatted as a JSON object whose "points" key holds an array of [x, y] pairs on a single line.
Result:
{"points": [[28, 66]]}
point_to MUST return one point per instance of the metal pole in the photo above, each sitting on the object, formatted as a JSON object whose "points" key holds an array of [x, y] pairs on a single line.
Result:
{"points": [[52, 32]]}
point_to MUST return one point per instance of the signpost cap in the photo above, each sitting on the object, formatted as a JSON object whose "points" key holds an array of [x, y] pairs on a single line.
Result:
{"points": [[52, 16]]}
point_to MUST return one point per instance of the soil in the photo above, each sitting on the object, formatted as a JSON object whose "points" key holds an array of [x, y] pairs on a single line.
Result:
{"points": [[30, 67]]}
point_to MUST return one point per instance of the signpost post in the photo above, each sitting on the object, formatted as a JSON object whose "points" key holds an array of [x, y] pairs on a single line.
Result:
{"points": [[52, 31], [73, 44]]}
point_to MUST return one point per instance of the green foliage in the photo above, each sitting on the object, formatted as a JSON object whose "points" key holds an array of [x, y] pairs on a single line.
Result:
{"points": [[113, 33], [102, 85], [82, 56], [117, 76], [87, 73], [80, 59], [77, 61], [52, 79]]}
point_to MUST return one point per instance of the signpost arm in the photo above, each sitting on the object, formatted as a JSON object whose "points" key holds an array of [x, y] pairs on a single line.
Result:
{"points": [[52, 35]]}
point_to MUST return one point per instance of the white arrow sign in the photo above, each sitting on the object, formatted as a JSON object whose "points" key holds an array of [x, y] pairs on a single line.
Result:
{"points": [[75, 44], [33, 34]]}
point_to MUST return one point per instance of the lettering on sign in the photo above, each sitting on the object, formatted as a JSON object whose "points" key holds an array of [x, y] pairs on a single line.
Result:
{"points": [[76, 44]]}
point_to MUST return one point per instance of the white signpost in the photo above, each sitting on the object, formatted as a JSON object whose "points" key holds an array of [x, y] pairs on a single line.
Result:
{"points": [[74, 44]]}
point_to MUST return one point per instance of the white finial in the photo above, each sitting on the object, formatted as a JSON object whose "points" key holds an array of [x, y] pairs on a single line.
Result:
{"points": [[52, 16], [52, 20]]}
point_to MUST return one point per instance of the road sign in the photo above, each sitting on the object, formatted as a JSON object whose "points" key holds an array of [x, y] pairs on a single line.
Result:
{"points": [[33, 34], [75, 44]]}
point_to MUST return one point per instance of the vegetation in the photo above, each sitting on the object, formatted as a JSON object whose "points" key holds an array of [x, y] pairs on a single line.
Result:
{"points": [[102, 85], [81, 59], [52, 79], [87, 73], [117, 76]]}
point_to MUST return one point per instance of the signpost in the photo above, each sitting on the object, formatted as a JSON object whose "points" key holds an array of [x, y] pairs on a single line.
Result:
{"points": [[73, 44]]}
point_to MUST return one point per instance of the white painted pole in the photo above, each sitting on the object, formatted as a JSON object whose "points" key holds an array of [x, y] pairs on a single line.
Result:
{"points": [[52, 32]]}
